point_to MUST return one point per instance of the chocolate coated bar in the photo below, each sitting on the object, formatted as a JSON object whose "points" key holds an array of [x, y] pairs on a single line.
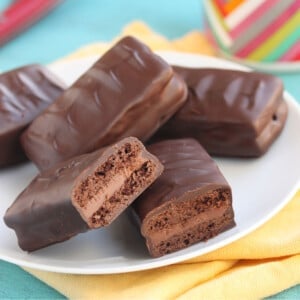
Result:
{"points": [[85, 192], [231, 113], [129, 91], [190, 202], [24, 93]]}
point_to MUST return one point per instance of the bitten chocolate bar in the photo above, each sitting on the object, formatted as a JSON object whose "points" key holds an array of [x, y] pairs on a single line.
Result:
{"points": [[24, 93], [231, 113], [190, 202], [85, 192], [129, 91]]}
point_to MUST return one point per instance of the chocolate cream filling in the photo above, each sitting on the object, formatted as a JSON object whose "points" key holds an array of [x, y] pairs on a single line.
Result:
{"points": [[182, 223], [113, 185]]}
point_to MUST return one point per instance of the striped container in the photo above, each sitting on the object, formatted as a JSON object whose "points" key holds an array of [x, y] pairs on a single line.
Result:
{"points": [[260, 32]]}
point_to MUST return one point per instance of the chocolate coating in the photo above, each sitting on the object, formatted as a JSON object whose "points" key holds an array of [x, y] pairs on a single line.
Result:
{"points": [[129, 91], [191, 201], [24, 93], [88, 191], [231, 113]]}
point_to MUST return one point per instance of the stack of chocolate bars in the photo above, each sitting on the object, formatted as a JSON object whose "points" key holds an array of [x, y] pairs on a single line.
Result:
{"points": [[134, 132]]}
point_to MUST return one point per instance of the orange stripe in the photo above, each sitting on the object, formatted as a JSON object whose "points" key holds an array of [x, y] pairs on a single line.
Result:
{"points": [[220, 6], [231, 5]]}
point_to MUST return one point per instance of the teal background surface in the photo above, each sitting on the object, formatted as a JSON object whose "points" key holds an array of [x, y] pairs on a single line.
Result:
{"points": [[71, 25]]}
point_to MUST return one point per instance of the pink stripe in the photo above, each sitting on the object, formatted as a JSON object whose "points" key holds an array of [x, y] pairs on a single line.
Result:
{"points": [[220, 6], [256, 14], [292, 53], [297, 57], [209, 35], [211, 39], [269, 30]]}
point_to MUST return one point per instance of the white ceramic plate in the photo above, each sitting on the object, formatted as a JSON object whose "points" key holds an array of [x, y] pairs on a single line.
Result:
{"points": [[261, 187]]}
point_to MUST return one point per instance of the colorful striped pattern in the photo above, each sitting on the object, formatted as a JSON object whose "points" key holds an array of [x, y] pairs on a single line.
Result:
{"points": [[256, 30]]}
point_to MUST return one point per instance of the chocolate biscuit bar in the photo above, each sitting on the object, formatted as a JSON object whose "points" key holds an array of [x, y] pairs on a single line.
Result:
{"points": [[24, 93], [190, 202], [129, 91], [231, 113], [85, 192]]}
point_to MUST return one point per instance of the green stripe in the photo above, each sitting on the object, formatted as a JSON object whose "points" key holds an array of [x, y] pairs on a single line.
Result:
{"points": [[220, 44], [283, 47], [257, 27], [276, 39], [219, 16]]}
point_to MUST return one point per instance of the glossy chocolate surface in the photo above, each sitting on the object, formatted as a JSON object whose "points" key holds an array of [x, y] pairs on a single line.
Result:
{"points": [[115, 98], [190, 202], [43, 213], [231, 113], [24, 93], [56, 205], [187, 168]]}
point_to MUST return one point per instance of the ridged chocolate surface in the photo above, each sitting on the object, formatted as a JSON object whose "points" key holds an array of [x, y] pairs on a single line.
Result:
{"points": [[231, 113], [106, 103], [24, 93], [190, 202], [187, 168]]}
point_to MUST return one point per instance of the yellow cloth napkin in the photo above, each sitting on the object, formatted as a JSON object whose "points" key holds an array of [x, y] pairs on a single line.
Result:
{"points": [[263, 263], [193, 42]]}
